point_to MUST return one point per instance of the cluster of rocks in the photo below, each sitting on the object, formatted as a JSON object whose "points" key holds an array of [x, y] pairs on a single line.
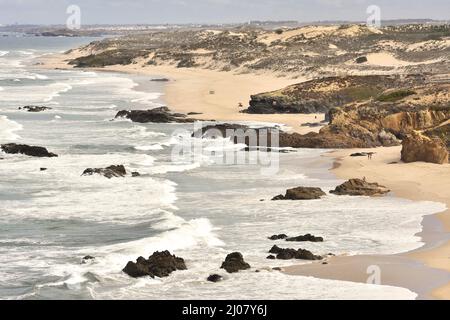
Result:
{"points": [[304, 238], [34, 108], [32, 151], [157, 115], [288, 254], [352, 187]]}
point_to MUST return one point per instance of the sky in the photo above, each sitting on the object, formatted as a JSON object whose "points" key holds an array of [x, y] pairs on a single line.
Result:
{"points": [[214, 11]]}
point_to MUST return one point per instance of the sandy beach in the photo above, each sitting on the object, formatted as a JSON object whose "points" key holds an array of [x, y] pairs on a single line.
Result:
{"points": [[217, 94]]}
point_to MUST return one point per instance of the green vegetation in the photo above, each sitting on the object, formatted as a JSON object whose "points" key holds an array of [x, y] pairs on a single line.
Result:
{"points": [[395, 95], [361, 93]]}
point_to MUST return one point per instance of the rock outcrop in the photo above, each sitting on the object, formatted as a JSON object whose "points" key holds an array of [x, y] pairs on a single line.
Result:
{"points": [[159, 264], [418, 147], [305, 238], [157, 115], [359, 187], [321, 95], [31, 151], [114, 171], [288, 254], [301, 193], [234, 262]]}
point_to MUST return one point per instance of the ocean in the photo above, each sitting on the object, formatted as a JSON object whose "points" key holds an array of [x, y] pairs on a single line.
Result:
{"points": [[201, 210]]}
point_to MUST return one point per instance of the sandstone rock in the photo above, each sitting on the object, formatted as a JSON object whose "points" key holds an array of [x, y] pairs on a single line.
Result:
{"points": [[234, 262], [302, 193], [418, 147], [358, 187], [32, 151], [157, 115], [160, 264], [109, 172]]}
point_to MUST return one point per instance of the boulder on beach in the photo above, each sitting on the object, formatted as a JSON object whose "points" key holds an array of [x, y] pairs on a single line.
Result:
{"points": [[214, 278], [361, 60], [34, 108], [159, 264], [301, 193], [359, 187], [157, 115], [108, 172], [234, 262], [418, 147], [288, 254], [31, 151], [307, 237]]}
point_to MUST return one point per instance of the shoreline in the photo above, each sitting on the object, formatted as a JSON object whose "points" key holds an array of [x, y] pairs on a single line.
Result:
{"points": [[189, 90], [415, 269]]}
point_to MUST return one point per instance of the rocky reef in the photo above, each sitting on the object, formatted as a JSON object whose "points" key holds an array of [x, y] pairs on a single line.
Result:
{"points": [[32, 151], [288, 254], [34, 108], [159, 264], [157, 115]]}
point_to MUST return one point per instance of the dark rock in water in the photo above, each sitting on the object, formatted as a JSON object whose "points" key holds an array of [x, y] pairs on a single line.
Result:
{"points": [[306, 237], [278, 237], [215, 278], [361, 60], [278, 197], [160, 264], [234, 262], [157, 115], [301, 193], [34, 108], [194, 113], [359, 154], [109, 172], [358, 187], [271, 257], [43, 169], [277, 269], [87, 259], [135, 174], [160, 80], [32, 151], [288, 254]]}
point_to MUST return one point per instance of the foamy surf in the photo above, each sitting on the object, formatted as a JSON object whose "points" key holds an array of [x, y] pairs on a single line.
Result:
{"points": [[8, 129]]}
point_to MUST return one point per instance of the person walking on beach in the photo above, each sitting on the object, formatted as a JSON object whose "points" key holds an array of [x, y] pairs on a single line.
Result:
{"points": [[370, 155]]}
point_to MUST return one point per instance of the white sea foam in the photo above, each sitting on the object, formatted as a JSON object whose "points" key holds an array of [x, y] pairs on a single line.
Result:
{"points": [[8, 129], [150, 147], [3, 53]]}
